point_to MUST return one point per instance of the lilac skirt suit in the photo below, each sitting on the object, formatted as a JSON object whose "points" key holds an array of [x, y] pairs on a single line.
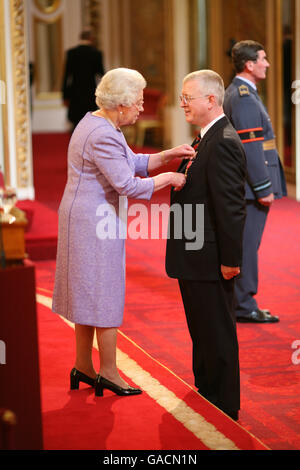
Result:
{"points": [[90, 267]]}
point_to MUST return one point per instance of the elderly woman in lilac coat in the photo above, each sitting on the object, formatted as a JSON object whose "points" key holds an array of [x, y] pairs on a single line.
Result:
{"points": [[90, 271]]}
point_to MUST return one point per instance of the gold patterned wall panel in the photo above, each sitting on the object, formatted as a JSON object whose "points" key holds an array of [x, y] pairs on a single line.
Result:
{"points": [[241, 20], [95, 21], [3, 100], [150, 41], [20, 77], [92, 19]]}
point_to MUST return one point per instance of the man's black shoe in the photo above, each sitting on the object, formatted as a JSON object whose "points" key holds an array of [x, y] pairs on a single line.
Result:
{"points": [[258, 316]]}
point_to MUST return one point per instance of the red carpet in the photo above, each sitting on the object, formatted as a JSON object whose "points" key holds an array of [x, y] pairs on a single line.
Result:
{"points": [[50, 167], [41, 233], [154, 319], [168, 415], [50, 176]]}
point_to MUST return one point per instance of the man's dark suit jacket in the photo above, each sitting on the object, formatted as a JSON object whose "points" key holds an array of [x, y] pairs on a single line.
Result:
{"points": [[83, 67], [215, 179]]}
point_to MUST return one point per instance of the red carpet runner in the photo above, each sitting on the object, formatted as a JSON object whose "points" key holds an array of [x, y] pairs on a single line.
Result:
{"points": [[168, 415]]}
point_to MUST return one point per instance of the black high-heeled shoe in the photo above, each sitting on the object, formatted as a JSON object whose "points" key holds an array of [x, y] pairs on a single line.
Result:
{"points": [[102, 383], [76, 376]]}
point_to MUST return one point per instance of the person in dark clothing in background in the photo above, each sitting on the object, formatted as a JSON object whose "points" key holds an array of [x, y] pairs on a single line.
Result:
{"points": [[83, 69]]}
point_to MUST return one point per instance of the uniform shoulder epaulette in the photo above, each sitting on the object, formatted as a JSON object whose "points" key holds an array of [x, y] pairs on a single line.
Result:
{"points": [[244, 90]]}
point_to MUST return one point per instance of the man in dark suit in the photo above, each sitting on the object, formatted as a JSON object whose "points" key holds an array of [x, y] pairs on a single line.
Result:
{"points": [[83, 69], [215, 181], [265, 178]]}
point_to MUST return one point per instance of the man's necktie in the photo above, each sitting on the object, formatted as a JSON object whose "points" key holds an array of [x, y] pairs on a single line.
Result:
{"points": [[196, 142], [195, 145]]}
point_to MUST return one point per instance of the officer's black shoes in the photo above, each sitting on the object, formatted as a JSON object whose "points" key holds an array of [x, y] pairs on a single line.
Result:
{"points": [[258, 316]]}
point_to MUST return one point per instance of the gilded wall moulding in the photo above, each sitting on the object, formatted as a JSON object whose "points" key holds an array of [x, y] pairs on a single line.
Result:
{"points": [[20, 66], [5, 164], [47, 6]]}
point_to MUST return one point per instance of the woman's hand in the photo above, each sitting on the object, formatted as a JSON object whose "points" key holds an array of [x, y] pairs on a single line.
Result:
{"points": [[157, 160], [178, 181], [181, 151]]}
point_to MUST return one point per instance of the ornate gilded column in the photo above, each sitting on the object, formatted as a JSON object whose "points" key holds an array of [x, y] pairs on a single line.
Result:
{"points": [[18, 172], [4, 160], [92, 19], [21, 88]]}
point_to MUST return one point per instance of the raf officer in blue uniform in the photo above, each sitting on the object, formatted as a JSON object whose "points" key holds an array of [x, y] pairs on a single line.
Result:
{"points": [[265, 177]]}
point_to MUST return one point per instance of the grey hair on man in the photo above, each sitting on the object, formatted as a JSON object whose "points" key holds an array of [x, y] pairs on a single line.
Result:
{"points": [[210, 83]]}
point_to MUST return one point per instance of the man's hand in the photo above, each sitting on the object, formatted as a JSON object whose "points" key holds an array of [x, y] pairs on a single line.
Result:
{"points": [[229, 272], [267, 200]]}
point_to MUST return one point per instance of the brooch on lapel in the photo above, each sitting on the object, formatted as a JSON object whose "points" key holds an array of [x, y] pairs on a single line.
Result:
{"points": [[195, 146]]}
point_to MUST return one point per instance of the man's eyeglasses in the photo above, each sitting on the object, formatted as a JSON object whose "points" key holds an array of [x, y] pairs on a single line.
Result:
{"points": [[186, 99]]}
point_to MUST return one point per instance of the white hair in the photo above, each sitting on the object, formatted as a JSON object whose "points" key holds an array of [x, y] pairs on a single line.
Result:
{"points": [[210, 83], [119, 86]]}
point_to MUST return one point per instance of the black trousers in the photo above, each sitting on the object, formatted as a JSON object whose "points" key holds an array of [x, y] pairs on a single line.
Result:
{"points": [[209, 309]]}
